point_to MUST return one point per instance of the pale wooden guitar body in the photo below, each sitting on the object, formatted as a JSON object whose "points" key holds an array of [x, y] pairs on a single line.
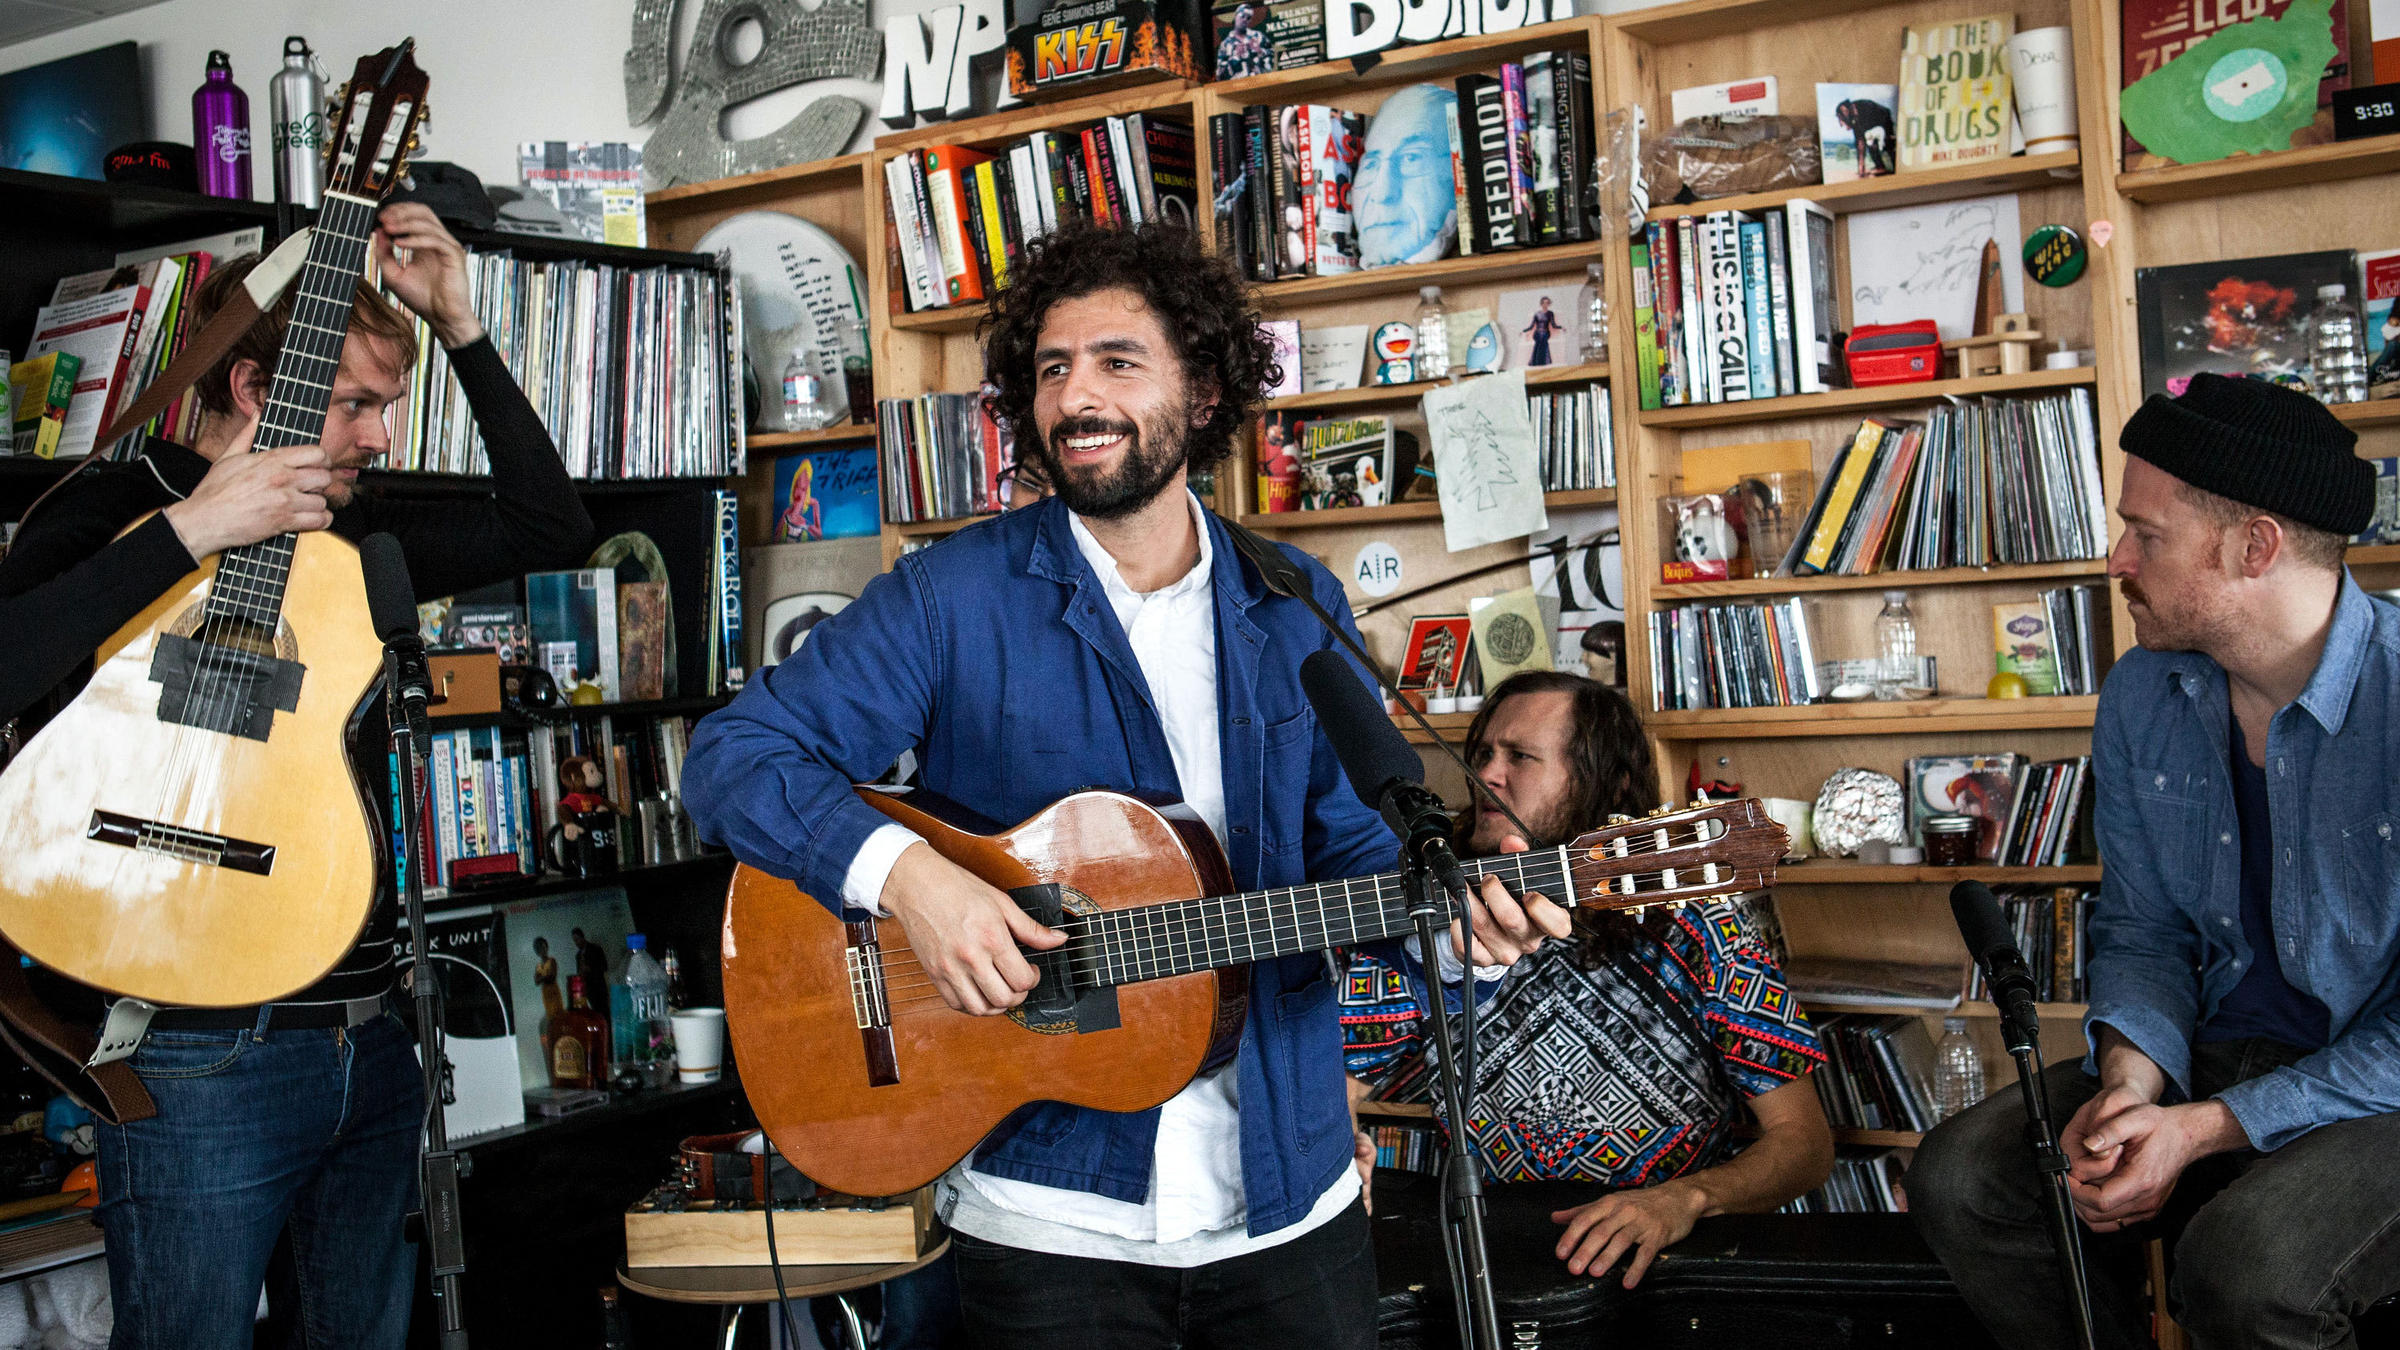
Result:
{"points": [[157, 919]]}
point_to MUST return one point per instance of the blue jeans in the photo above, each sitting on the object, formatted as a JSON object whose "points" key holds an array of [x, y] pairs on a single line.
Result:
{"points": [[318, 1129]]}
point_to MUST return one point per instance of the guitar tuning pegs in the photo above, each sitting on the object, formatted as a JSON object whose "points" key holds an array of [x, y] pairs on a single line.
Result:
{"points": [[1699, 803], [1615, 819]]}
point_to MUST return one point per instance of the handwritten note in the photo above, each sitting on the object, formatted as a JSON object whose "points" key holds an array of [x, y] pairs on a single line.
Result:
{"points": [[1485, 460], [1925, 262]]}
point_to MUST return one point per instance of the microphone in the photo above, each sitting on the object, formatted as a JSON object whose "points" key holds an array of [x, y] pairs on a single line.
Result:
{"points": [[1382, 769], [392, 608], [1994, 948]]}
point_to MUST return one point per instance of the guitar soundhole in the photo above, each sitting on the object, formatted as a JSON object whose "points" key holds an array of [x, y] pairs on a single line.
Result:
{"points": [[247, 635]]}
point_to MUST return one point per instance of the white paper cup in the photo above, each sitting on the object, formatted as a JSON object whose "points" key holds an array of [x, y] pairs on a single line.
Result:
{"points": [[699, 1045], [1796, 817], [2041, 65]]}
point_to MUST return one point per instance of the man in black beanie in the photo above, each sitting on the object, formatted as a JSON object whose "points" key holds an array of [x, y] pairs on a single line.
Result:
{"points": [[2240, 1098]]}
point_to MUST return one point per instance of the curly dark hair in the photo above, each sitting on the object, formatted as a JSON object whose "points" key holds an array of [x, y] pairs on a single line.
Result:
{"points": [[1611, 772], [1201, 301]]}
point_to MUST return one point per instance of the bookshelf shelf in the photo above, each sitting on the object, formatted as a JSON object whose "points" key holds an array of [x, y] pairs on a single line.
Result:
{"points": [[1333, 517], [1450, 726], [1905, 189], [2307, 166], [930, 528], [1027, 118], [702, 868], [955, 319], [845, 434], [1852, 400], [1481, 268], [1397, 1110], [2367, 555], [1878, 1138], [1842, 872], [1939, 716], [1379, 395], [766, 183], [2381, 412], [419, 482], [1665, 593]]}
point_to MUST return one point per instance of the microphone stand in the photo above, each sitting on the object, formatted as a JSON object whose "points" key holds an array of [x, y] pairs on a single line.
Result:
{"points": [[2022, 1035], [405, 687], [1463, 1245]]}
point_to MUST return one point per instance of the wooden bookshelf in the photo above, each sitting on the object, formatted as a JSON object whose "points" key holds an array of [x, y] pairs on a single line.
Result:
{"points": [[2382, 412], [2305, 167], [1904, 189], [848, 433], [1875, 718], [1405, 280], [1862, 400], [1425, 510], [1846, 872], [1883, 581], [1382, 395], [1397, 1110]]}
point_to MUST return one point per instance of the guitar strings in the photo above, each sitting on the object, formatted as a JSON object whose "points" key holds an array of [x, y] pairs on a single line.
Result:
{"points": [[1178, 945], [216, 692]]}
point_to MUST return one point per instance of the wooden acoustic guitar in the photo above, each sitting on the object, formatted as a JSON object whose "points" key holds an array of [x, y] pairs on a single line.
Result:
{"points": [[189, 830], [872, 1085]]}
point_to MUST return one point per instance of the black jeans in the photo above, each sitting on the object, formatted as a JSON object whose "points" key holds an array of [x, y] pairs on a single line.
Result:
{"points": [[2266, 1249], [1316, 1291]]}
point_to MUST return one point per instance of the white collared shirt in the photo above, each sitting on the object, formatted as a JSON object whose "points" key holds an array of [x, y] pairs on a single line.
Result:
{"points": [[1195, 1212]]}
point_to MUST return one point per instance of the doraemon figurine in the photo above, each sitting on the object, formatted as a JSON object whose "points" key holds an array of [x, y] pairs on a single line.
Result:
{"points": [[1394, 349]]}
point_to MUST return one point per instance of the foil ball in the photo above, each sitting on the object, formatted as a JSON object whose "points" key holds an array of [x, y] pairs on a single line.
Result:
{"points": [[1857, 805]]}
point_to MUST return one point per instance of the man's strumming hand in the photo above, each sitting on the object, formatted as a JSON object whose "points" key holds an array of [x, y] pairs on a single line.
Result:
{"points": [[965, 932]]}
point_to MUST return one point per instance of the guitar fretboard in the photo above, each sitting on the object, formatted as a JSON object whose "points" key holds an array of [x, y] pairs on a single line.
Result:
{"points": [[250, 579], [1178, 938]]}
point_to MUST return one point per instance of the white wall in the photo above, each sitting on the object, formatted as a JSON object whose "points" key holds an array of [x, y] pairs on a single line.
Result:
{"points": [[504, 71]]}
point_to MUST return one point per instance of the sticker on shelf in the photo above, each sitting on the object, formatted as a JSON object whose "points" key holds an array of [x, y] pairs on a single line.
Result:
{"points": [[1377, 569]]}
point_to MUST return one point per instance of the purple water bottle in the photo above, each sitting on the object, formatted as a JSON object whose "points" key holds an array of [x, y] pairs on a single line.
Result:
{"points": [[221, 131]]}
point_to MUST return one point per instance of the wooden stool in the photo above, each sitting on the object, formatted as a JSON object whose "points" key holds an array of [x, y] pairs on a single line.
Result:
{"points": [[734, 1288]]}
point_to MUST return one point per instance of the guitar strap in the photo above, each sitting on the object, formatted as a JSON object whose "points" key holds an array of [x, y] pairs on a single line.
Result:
{"points": [[72, 1056]]}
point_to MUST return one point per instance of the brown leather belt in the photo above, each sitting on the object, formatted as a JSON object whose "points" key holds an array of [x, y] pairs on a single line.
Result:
{"points": [[716, 1168]]}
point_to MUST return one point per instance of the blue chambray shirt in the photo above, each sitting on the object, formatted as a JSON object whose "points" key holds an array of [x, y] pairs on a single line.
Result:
{"points": [[2166, 938]]}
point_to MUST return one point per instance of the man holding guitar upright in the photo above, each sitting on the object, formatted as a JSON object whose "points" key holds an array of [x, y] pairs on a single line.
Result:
{"points": [[1110, 636], [307, 1111]]}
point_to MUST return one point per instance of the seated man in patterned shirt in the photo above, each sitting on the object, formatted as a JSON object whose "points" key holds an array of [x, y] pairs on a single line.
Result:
{"points": [[1625, 1054]]}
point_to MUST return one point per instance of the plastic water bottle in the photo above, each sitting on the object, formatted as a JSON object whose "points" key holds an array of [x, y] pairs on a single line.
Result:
{"points": [[2337, 363], [640, 1035], [807, 405], [1433, 337], [1895, 646], [1958, 1071], [1594, 300]]}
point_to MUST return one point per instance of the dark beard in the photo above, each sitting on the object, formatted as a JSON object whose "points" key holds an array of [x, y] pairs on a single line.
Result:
{"points": [[1137, 480]]}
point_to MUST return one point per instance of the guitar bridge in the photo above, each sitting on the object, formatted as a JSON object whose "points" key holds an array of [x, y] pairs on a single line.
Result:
{"points": [[870, 1001], [181, 844]]}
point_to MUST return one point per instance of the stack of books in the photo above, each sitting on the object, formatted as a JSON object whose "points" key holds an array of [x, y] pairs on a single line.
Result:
{"points": [[1754, 655], [942, 457], [1521, 143], [633, 370], [959, 217], [1407, 1148], [1864, 1181], [1740, 306], [1998, 480], [2034, 815], [1578, 450], [2052, 926]]}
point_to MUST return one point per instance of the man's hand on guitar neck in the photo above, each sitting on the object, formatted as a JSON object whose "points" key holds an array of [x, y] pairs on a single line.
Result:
{"points": [[246, 498], [965, 932]]}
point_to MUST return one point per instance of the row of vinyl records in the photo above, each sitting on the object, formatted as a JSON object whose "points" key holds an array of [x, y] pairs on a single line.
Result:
{"points": [[2052, 927], [959, 218], [2045, 820], [1994, 480], [633, 369], [1878, 1071], [943, 456], [1521, 146], [493, 793]]}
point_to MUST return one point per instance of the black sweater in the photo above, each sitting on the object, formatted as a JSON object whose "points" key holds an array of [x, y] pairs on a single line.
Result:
{"points": [[65, 587]]}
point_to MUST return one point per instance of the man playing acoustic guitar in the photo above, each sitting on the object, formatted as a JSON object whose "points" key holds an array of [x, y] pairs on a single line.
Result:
{"points": [[1109, 636], [306, 1112]]}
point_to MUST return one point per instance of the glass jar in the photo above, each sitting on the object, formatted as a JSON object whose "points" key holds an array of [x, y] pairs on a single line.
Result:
{"points": [[1950, 840]]}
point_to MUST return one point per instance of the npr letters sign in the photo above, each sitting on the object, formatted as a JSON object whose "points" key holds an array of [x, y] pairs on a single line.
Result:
{"points": [[929, 60], [1357, 27]]}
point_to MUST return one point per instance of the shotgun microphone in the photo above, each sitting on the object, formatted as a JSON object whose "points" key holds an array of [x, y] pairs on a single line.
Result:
{"points": [[392, 607], [1994, 948], [1382, 769]]}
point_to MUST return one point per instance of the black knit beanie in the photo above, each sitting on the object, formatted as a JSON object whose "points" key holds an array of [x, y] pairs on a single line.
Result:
{"points": [[2259, 444]]}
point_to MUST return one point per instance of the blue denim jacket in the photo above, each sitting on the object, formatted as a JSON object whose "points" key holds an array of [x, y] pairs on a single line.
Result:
{"points": [[995, 655], [2166, 938]]}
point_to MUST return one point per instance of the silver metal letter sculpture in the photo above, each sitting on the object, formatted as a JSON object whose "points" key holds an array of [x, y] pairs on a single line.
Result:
{"points": [[801, 44]]}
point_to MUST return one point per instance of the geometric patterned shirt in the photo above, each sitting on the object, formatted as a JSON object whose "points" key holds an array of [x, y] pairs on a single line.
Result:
{"points": [[1629, 1074]]}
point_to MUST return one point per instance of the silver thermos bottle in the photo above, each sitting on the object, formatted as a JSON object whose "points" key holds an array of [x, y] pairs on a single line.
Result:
{"points": [[296, 103]]}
